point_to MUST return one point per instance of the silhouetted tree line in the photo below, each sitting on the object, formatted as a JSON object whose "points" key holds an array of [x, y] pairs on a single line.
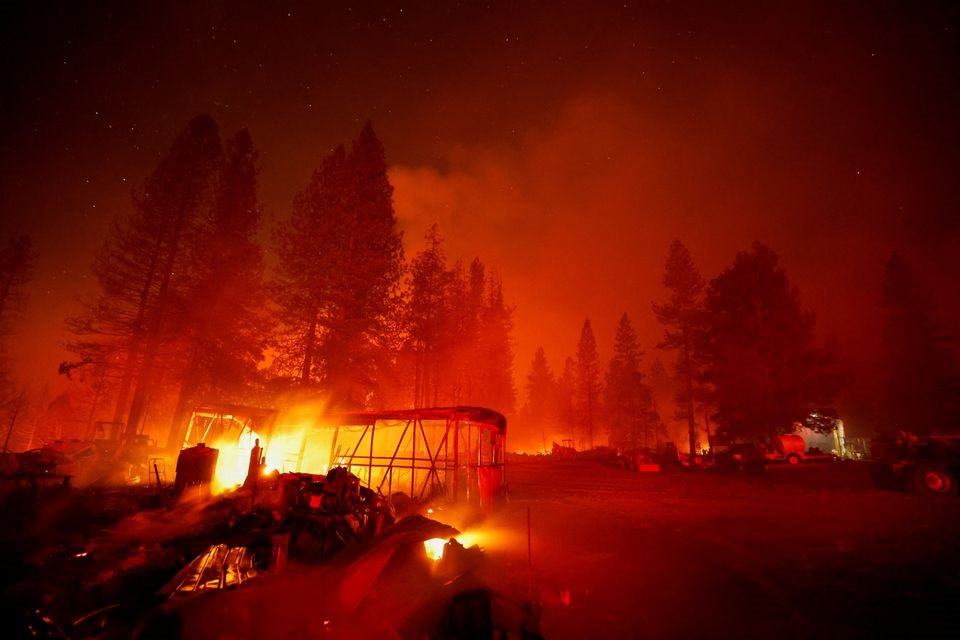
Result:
{"points": [[187, 312], [746, 355], [744, 351], [457, 346], [586, 401]]}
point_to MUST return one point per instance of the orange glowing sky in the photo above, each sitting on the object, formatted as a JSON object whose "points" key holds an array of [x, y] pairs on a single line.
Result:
{"points": [[566, 143]]}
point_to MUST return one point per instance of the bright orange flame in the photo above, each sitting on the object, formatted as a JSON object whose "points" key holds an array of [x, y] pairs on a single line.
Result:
{"points": [[471, 538], [280, 453], [297, 443], [434, 548], [233, 460]]}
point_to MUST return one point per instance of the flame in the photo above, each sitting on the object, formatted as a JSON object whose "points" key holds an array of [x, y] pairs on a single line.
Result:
{"points": [[280, 453], [434, 548], [293, 444], [471, 538], [233, 460]]}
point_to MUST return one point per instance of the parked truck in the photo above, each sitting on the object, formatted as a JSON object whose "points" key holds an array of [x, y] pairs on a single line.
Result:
{"points": [[792, 449], [928, 465]]}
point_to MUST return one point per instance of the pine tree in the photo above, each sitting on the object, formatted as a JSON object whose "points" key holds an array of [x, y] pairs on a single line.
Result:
{"points": [[762, 359], [588, 388], [566, 393], [457, 332], [181, 188], [473, 313], [495, 364], [923, 387], [144, 269], [226, 326], [304, 246], [456, 341], [541, 388], [355, 348], [682, 317], [628, 400], [427, 311], [340, 261]]}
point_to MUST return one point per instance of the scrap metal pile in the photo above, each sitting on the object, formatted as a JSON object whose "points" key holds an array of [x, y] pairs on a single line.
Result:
{"points": [[287, 555]]}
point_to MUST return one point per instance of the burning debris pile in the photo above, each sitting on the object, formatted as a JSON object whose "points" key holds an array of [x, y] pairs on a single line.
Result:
{"points": [[285, 555]]}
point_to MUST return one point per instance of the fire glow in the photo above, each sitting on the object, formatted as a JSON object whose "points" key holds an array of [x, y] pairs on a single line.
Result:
{"points": [[434, 547], [233, 462]]}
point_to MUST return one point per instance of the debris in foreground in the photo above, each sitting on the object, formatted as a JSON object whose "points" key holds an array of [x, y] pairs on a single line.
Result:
{"points": [[288, 555]]}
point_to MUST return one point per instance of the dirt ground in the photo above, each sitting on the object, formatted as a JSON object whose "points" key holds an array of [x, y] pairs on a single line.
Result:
{"points": [[810, 551]]}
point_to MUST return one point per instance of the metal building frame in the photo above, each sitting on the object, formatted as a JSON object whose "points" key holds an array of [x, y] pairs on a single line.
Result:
{"points": [[473, 438], [212, 421], [472, 443]]}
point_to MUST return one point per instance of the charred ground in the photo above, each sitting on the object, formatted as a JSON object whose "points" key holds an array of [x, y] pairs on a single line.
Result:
{"points": [[810, 551]]}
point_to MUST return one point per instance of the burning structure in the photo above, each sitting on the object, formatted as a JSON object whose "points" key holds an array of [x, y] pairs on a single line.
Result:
{"points": [[457, 453], [329, 521]]}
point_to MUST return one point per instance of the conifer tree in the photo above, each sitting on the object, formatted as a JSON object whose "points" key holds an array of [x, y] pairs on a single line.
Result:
{"points": [[541, 388], [587, 386], [427, 311], [682, 318], [496, 387], [144, 269], [762, 358], [566, 391], [457, 332], [629, 402], [473, 313], [226, 324], [340, 261]]}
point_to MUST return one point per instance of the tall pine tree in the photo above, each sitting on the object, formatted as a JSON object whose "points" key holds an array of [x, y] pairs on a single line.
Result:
{"points": [[682, 318], [144, 269], [428, 310], [629, 403], [541, 389], [762, 359], [587, 387], [566, 396], [496, 387], [340, 260], [227, 326]]}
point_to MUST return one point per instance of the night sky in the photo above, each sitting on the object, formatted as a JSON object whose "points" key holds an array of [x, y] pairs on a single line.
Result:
{"points": [[566, 143]]}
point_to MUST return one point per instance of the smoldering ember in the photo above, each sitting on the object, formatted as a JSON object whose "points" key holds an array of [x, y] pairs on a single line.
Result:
{"points": [[456, 320]]}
